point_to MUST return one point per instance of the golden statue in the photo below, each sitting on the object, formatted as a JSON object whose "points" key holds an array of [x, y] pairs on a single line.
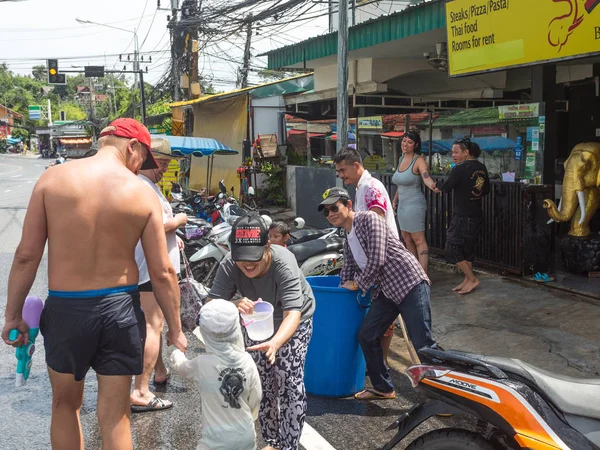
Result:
{"points": [[580, 191]]}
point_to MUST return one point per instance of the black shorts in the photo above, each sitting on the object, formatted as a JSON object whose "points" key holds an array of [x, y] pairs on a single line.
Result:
{"points": [[145, 287], [461, 238], [105, 332]]}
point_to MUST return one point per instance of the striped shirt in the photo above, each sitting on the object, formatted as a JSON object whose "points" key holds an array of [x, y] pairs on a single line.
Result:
{"points": [[390, 266]]}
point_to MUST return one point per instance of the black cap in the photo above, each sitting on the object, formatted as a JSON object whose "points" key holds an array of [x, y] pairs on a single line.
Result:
{"points": [[248, 239], [332, 195]]}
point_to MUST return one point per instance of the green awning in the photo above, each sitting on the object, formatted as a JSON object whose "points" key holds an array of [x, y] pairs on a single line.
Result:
{"points": [[423, 17], [290, 86], [472, 118]]}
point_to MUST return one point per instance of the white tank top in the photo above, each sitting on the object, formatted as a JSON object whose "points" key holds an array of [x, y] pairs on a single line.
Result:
{"points": [[172, 248]]}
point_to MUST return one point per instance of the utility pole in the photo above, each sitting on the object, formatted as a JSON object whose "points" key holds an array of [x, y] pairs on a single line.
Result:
{"points": [[174, 71], [92, 115], [246, 66], [342, 62], [193, 50]]}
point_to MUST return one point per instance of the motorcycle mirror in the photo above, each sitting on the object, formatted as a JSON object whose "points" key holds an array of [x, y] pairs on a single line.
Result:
{"points": [[299, 222], [250, 190]]}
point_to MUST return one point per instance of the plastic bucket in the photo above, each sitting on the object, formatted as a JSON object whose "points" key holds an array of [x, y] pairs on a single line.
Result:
{"points": [[335, 365], [259, 325]]}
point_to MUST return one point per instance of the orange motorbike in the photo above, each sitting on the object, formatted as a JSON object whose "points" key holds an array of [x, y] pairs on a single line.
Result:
{"points": [[516, 405]]}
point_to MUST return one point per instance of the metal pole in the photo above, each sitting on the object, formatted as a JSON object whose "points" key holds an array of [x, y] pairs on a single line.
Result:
{"points": [[342, 94], [430, 139], [143, 97], [353, 12], [136, 55], [49, 125], [246, 66]]}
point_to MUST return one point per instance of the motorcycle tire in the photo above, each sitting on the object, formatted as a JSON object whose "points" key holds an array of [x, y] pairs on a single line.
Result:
{"points": [[201, 271], [450, 439]]}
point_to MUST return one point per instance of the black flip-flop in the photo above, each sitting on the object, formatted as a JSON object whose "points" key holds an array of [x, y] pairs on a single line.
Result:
{"points": [[156, 404]]}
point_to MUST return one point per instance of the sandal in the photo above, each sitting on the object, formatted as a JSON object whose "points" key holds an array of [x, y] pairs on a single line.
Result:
{"points": [[163, 382], [156, 404], [370, 394]]}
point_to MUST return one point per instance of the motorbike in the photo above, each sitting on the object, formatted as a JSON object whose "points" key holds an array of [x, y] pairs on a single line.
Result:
{"points": [[318, 252], [516, 405]]}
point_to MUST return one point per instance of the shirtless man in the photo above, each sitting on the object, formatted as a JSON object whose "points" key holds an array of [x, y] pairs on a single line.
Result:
{"points": [[93, 211]]}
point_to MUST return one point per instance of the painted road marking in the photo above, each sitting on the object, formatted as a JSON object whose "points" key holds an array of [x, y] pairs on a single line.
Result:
{"points": [[8, 190], [312, 440], [29, 182], [18, 169], [16, 176]]}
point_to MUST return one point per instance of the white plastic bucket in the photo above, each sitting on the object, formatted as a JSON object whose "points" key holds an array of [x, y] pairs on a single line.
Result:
{"points": [[259, 324]]}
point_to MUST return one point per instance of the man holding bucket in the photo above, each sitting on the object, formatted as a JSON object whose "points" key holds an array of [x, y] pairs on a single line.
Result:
{"points": [[258, 270]]}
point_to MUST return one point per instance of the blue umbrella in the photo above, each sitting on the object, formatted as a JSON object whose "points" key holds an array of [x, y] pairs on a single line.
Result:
{"points": [[186, 145]]}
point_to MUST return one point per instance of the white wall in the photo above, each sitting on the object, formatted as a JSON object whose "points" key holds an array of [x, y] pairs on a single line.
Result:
{"points": [[264, 120]]}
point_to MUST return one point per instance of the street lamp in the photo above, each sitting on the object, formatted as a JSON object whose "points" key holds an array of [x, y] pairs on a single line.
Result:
{"points": [[136, 50]]}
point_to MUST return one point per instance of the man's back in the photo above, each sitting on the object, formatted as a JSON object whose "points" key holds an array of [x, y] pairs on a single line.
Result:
{"points": [[96, 211]]}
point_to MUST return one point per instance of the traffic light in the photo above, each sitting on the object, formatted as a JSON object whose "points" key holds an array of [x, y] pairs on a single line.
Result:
{"points": [[53, 76]]}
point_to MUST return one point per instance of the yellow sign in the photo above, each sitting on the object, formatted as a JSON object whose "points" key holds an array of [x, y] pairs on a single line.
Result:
{"points": [[374, 163], [170, 176], [486, 35], [372, 123], [519, 111]]}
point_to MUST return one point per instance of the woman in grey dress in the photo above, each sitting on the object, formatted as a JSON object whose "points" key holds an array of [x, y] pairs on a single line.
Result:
{"points": [[410, 200]]}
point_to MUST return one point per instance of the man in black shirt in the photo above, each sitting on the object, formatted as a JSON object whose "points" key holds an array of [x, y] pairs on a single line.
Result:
{"points": [[469, 181]]}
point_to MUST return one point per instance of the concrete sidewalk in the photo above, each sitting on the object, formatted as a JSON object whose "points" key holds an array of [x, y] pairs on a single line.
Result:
{"points": [[554, 330]]}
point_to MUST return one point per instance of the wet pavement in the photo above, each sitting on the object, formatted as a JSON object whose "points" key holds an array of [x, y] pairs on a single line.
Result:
{"points": [[554, 330]]}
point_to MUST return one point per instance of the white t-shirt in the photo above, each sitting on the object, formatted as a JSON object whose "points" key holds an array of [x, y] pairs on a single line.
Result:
{"points": [[172, 247], [357, 251], [371, 193]]}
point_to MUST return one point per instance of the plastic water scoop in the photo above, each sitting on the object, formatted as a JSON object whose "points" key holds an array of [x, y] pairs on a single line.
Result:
{"points": [[259, 324]]}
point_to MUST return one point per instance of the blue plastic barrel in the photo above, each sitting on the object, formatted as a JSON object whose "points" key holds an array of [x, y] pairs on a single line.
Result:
{"points": [[335, 365]]}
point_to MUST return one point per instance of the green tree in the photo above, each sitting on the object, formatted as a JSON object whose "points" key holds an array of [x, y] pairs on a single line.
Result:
{"points": [[39, 73], [72, 110]]}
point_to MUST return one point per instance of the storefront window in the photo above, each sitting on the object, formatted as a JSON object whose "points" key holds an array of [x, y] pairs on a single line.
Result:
{"points": [[510, 138]]}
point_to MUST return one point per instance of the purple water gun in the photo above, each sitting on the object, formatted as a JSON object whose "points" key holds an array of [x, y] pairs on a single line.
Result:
{"points": [[32, 310]]}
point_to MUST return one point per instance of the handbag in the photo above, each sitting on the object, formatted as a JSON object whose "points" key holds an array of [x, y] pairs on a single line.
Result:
{"points": [[192, 295]]}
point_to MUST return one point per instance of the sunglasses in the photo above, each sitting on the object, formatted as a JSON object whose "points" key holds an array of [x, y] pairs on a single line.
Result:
{"points": [[466, 141], [333, 209]]}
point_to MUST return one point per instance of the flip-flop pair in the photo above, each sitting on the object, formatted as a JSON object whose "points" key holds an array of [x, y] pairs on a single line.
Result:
{"points": [[542, 277], [370, 394], [156, 404]]}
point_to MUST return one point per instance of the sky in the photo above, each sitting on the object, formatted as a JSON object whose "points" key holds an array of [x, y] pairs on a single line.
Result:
{"points": [[32, 31]]}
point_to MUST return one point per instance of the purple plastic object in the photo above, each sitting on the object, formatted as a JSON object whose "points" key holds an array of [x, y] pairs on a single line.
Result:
{"points": [[32, 310]]}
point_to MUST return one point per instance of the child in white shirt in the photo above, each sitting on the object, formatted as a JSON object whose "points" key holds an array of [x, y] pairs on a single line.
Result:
{"points": [[227, 378]]}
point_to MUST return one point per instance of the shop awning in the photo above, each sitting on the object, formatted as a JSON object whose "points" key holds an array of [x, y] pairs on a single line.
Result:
{"points": [[351, 137], [312, 135], [75, 141], [393, 134], [487, 144], [296, 132]]}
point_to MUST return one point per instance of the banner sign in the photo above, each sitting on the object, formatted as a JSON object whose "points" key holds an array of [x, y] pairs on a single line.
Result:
{"points": [[488, 35], [370, 123], [525, 111], [35, 112]]}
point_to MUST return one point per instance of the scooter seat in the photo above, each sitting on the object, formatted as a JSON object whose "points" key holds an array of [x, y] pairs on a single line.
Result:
{"points": [[305, 250], [304, 235], [577, 396]]}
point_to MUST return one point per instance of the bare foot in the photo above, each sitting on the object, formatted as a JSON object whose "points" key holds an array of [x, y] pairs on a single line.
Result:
{"points": [[460, 286], [468, 287]]}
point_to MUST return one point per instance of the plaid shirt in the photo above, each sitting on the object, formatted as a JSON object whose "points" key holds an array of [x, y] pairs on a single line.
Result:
{"points": [[390, 267]]}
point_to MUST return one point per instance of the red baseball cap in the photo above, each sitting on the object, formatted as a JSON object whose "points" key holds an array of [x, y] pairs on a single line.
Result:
{"points": [[132, 129]]}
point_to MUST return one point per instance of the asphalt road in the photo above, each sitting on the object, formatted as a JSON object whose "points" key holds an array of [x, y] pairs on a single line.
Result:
{"points": [[552, 330], [25, 411]]}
